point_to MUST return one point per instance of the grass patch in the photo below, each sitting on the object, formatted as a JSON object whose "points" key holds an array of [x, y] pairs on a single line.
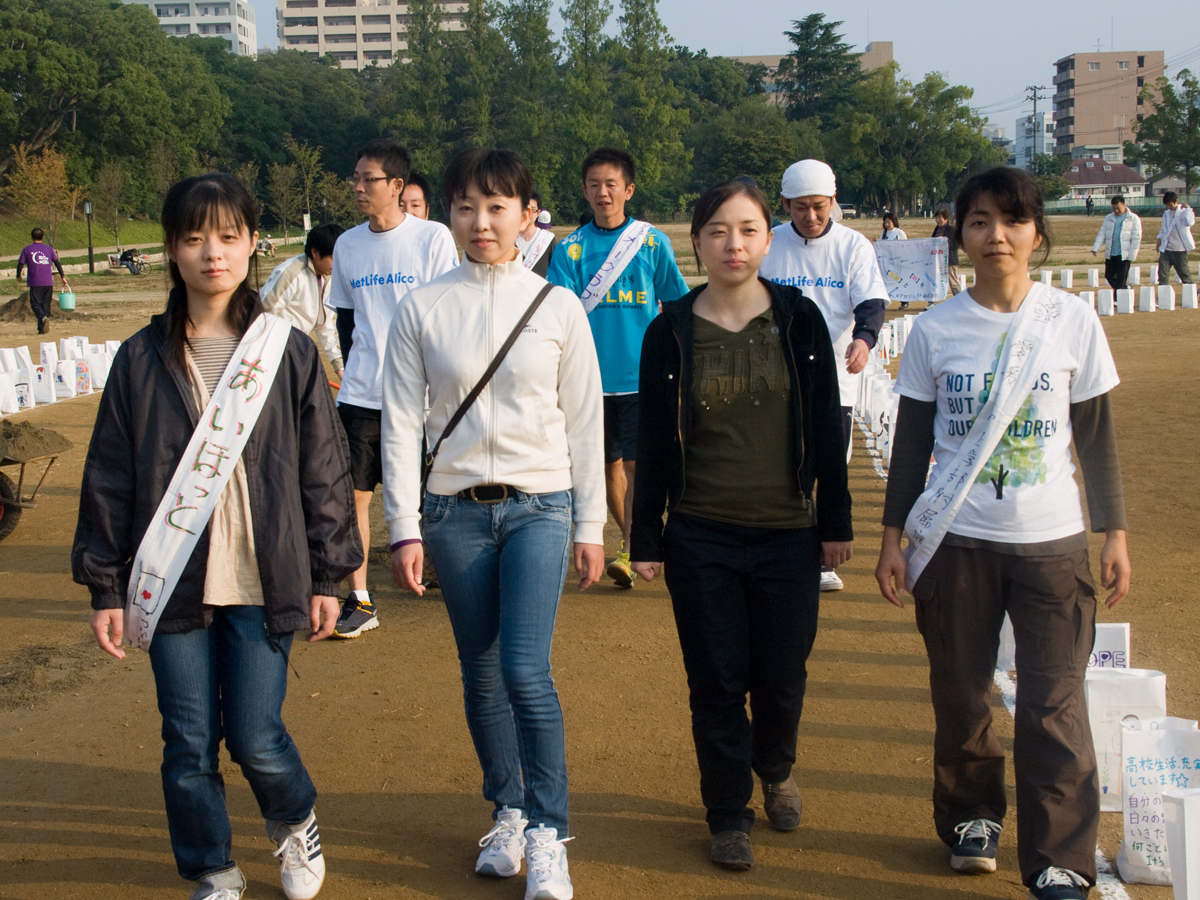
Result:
{"points": [[14, 235]]}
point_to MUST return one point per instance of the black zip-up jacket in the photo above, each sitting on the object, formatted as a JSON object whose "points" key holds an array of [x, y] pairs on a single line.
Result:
{"points": [[297, 469], [664, 417]]}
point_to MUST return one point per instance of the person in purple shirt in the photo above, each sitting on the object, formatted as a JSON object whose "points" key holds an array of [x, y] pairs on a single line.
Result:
{"points": [[38, 257]]}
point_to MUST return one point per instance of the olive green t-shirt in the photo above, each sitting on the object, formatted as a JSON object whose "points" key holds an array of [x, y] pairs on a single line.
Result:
{"points": [[738, 467]]}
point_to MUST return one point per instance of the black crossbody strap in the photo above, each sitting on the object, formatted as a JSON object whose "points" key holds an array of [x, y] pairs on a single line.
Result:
{"points": [[484, 379]]}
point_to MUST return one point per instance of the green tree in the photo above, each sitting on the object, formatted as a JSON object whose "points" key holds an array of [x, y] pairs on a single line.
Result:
{"points": [[38, 186], [531, 107], [418, 112], [283, 193], [111, 194], [588, 107], [337, 200], [820, 72], [754, 139], [1170, 136], [1047, 170], [896, 140], [477, 59], [308, 162], [247, 174]]}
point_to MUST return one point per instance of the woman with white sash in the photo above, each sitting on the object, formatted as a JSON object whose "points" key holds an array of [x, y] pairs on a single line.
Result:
{"points": [[218, 466], [995, 382]]}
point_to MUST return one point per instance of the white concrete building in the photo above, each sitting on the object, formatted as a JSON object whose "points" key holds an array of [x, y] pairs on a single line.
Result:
{"points": [[232, 20], [1032, 138], [357, 33]]}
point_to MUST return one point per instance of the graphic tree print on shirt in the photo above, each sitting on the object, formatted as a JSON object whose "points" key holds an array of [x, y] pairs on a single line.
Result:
{"points": [[1018, 459]]}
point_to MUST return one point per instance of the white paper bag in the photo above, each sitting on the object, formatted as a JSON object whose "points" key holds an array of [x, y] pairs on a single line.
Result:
{"points": [[1181, 810], [1116, 696], [49, 355], [64, 378], [113, 346], [1149, 299], [83, 377], [1125, 302], [43, 384], [1006, 658], [1159, 753], [1188, 300], [1105, 304], [8, 360], [99, 364], [23, 384], [24, 361], [8, 394], [1111, 648]]}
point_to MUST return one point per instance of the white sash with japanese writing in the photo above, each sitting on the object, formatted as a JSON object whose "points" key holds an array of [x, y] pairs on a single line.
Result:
{"points": [[207, 464], [537, 246], [1033, 335], [619, 258]]}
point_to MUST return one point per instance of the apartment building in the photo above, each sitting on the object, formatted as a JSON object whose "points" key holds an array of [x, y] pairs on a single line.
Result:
{"points": [[1034, 136], [1097, 98], [232, 20], [357, 33]]}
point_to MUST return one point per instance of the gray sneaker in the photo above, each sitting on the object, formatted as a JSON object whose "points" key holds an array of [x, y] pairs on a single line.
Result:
{"points": [[227, 885]]}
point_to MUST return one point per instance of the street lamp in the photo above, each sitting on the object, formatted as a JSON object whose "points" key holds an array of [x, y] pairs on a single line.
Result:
{"points": [[87, 211]]}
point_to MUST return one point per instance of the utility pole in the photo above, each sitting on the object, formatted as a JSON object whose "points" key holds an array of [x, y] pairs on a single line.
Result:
{"points": [[1032, 93]]}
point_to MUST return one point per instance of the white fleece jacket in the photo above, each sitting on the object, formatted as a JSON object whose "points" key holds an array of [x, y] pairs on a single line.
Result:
{"points": [[539, 423]]}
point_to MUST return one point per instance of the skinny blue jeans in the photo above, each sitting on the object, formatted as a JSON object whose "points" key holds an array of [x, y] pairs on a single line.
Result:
{"points": [[225, 681], [501, 567]]}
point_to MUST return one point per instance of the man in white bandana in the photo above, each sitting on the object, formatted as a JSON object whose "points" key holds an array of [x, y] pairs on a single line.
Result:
{"points": [[835, 267]]}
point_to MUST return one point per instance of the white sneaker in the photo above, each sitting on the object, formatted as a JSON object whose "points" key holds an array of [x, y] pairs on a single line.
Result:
{"points": [[227, 885], [503, 846], [830, 580], [546, 864], [302, 867]]}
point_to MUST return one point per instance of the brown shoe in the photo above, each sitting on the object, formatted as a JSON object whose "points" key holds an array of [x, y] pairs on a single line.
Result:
{"points": [[731, 850], [783, 804]]}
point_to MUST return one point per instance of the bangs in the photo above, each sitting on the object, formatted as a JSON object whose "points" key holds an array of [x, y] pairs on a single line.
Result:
{"points": [[495, 173], [207, 203]]}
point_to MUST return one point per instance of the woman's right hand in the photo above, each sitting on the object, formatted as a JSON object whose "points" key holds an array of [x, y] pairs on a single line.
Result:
{"points": [[407, 563], [109, 627], [647, 571], [892, 567]]}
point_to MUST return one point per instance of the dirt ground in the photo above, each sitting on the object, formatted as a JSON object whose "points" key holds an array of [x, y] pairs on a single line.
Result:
{"points": [[380, 725]]}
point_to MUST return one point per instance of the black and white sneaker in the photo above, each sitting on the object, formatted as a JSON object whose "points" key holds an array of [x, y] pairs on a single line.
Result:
{"points": [[1058, 884], [301, 864], [356, 618], [975, 852]]}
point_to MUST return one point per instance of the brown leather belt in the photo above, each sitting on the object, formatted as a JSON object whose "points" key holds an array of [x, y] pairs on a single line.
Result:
{"points": [[488, 493]]}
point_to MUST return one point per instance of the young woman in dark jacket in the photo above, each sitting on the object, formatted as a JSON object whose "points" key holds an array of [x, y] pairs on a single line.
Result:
{"points": [[741, 419], [268, 563]]}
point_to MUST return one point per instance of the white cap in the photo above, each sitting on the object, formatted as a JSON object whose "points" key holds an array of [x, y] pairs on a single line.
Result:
{"points": [[808, 178], [544, 217]]}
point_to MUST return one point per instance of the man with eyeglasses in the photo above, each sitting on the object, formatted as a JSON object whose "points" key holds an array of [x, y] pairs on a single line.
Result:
{"points": [[376, 265]]}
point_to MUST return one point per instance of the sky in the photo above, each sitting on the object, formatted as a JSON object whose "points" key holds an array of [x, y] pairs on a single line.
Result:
{"points": [[996, 49]]}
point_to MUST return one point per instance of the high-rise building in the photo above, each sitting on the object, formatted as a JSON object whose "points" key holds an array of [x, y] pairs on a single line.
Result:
{"points": [[357, 33], [1034, 136], [232, 20], [1097, 98]]}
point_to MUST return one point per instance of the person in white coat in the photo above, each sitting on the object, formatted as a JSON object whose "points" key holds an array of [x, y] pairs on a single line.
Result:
{"points": [[296, 291], [1175, 239], [1121, 232]]}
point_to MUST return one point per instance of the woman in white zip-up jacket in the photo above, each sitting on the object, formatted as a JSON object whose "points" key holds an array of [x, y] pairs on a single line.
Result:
{"points": [[525, 462]]}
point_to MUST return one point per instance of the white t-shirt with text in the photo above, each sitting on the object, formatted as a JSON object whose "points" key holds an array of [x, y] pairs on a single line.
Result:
{"points": [[837, 271], [1026, 493], [372, 272]]}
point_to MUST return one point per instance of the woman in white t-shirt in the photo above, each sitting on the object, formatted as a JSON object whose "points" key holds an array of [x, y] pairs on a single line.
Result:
{"points": [[891, 229], [1017, 544]]}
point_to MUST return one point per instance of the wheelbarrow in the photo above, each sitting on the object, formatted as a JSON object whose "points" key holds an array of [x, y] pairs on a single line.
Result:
{"points": [[11, 500]]}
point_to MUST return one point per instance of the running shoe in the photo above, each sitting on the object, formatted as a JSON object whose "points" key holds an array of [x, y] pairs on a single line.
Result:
{"points": [[829, 580], [975, 852], [503, 846], [731, 850], [620, 571], [1058, 884], [301, 864], [546, 866], [356, 618], [227, 885]]}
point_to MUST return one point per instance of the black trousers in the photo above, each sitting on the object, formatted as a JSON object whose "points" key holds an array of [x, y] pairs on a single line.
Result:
{"points": [[961, 599], [1116, 272], [745, 602], [40, 297]]}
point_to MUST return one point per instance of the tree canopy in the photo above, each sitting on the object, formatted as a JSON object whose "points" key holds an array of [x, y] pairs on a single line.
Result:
{"points": [[1170, 136]]}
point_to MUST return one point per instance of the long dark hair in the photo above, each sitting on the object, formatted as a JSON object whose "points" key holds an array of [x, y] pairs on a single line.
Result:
{"points": [[196, 204]]}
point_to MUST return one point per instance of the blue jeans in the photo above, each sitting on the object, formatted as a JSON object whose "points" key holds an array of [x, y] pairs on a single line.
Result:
{"points": [[227, 680], [501, 567]]}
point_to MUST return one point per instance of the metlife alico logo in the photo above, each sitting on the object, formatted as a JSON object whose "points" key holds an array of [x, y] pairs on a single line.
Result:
{"points": [[804, 281], [375, 279]]}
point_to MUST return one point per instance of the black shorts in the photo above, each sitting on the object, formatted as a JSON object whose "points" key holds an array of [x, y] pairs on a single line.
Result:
{"points": [[364, 429], [620, 428]]}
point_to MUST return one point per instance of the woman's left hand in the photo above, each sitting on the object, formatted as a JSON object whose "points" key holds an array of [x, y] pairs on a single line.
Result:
{"points": [[324, 617], [1115, 570], [589, 564], [834, 553]]}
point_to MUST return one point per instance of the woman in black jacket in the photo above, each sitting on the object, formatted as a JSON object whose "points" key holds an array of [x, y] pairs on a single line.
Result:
{"points": [[741, 418], [268, 563]]}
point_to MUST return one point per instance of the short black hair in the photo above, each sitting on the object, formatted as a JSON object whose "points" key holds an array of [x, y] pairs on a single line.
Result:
{"points": [[1015, 194], [942, 212], [37, 234], [608, 156], [892, 216], [1170, 197], [321, 239], [1117, 198], [494, 172], [716, 196], [419, 181], [395, 161], [534, 195]]}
